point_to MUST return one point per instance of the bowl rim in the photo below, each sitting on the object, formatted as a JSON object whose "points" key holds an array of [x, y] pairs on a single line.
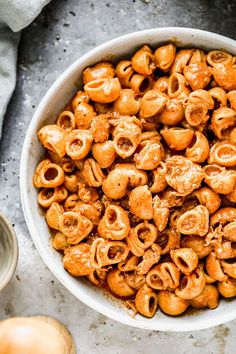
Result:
{"points": [[91, 301], [15, 251]]}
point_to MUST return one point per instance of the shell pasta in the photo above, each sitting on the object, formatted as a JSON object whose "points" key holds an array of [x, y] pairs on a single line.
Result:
{"points": [[138, 182]]}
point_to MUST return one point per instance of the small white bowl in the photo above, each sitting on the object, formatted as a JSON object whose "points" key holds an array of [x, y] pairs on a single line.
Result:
{"points": [[8, 251], [52, 103]]}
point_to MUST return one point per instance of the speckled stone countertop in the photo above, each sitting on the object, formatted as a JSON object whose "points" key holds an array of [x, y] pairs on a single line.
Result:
{"points": [[64, 31]]}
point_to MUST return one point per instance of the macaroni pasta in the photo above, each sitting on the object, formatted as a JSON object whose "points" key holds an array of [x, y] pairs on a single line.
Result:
{"points": [[138, 182]]}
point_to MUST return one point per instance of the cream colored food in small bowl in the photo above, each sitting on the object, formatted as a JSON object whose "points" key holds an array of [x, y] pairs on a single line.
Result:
{"points": [[117, 49]]}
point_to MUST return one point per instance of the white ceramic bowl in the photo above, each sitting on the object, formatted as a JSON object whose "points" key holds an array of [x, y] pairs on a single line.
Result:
{"points": [[8, 251], [52, 103]]}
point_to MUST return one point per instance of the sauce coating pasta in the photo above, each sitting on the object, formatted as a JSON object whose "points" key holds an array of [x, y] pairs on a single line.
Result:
{"points": [[139, 178]]}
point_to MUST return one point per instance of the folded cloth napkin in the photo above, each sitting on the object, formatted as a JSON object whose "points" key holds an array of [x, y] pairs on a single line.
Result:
{"points": [[14, 16]]}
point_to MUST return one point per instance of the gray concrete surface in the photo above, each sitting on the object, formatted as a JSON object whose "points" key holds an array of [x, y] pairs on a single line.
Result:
{"points": [[64, 31]]}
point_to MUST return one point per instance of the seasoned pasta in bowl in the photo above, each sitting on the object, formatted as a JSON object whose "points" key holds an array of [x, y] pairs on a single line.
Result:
{"points": [[131, 158]]}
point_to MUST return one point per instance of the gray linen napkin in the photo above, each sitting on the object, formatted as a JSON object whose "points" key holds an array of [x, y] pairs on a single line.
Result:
{"points": [[14, 16]]}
